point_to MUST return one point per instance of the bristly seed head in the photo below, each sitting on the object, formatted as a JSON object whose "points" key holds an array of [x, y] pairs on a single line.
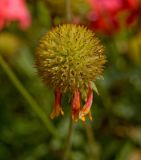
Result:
{"points": [[70, 58]]}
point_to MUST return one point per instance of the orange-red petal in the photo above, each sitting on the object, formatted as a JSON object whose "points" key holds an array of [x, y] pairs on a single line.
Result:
{"points": [[86, 108], [75, 105], [57, 109]]}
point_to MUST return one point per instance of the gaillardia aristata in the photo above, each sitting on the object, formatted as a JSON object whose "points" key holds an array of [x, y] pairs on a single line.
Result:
{"points": [[70, 58]]}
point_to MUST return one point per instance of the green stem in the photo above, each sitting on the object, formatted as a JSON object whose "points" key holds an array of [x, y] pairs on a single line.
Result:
{"points": [[94, 150], [68, 141], [67, 148], [68, 10], [28, 97]]}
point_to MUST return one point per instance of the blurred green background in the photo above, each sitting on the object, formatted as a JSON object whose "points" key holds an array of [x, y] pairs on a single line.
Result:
{"points": [[114, 133]]}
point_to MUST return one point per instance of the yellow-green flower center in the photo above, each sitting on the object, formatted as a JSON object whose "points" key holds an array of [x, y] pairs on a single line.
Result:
{"points": [[69, 56]]}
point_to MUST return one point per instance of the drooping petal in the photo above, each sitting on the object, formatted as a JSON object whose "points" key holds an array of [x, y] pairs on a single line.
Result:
{"points": [[57, 109], [86, 108], [75, 105]]}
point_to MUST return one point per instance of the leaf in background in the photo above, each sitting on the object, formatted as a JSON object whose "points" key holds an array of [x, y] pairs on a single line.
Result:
{"points": [[134, 49], [9, 44], [43, 14], [124, 152]]}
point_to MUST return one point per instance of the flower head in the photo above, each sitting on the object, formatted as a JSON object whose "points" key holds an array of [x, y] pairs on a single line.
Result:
{"points": [[106, 15], [14, 10], [68, 58]]}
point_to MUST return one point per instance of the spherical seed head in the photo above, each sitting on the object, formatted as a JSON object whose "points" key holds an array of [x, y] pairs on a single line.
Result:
{"points": [[69, 57]]}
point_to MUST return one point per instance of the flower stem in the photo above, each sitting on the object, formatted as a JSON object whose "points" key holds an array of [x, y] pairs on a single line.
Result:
{"points": [[28, 97], [68, 141], [94, 148], [68, 10]]}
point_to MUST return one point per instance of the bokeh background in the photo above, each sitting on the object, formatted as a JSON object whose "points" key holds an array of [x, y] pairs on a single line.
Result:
{"points": [[26, 131]]}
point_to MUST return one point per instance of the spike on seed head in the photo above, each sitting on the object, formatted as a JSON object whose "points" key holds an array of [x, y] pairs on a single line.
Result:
{"points": [[69, 57]]}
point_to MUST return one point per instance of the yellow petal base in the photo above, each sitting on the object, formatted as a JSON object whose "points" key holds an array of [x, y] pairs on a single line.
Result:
{"points": [[56, 112]]}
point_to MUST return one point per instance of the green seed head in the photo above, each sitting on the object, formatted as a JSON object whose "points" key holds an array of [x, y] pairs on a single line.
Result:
{"points": [[69, 57]]}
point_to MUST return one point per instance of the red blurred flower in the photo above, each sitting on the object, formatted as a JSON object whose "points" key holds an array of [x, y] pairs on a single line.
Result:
{"points": [[14, 10], [133, 3], [133, 6], [104, 15], [102, 6]]}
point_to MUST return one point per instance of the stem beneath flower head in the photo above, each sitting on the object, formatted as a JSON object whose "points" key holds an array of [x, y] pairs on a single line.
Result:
{"points": [[68, 141], [93, 146], [28, 97], [68, 10]]}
